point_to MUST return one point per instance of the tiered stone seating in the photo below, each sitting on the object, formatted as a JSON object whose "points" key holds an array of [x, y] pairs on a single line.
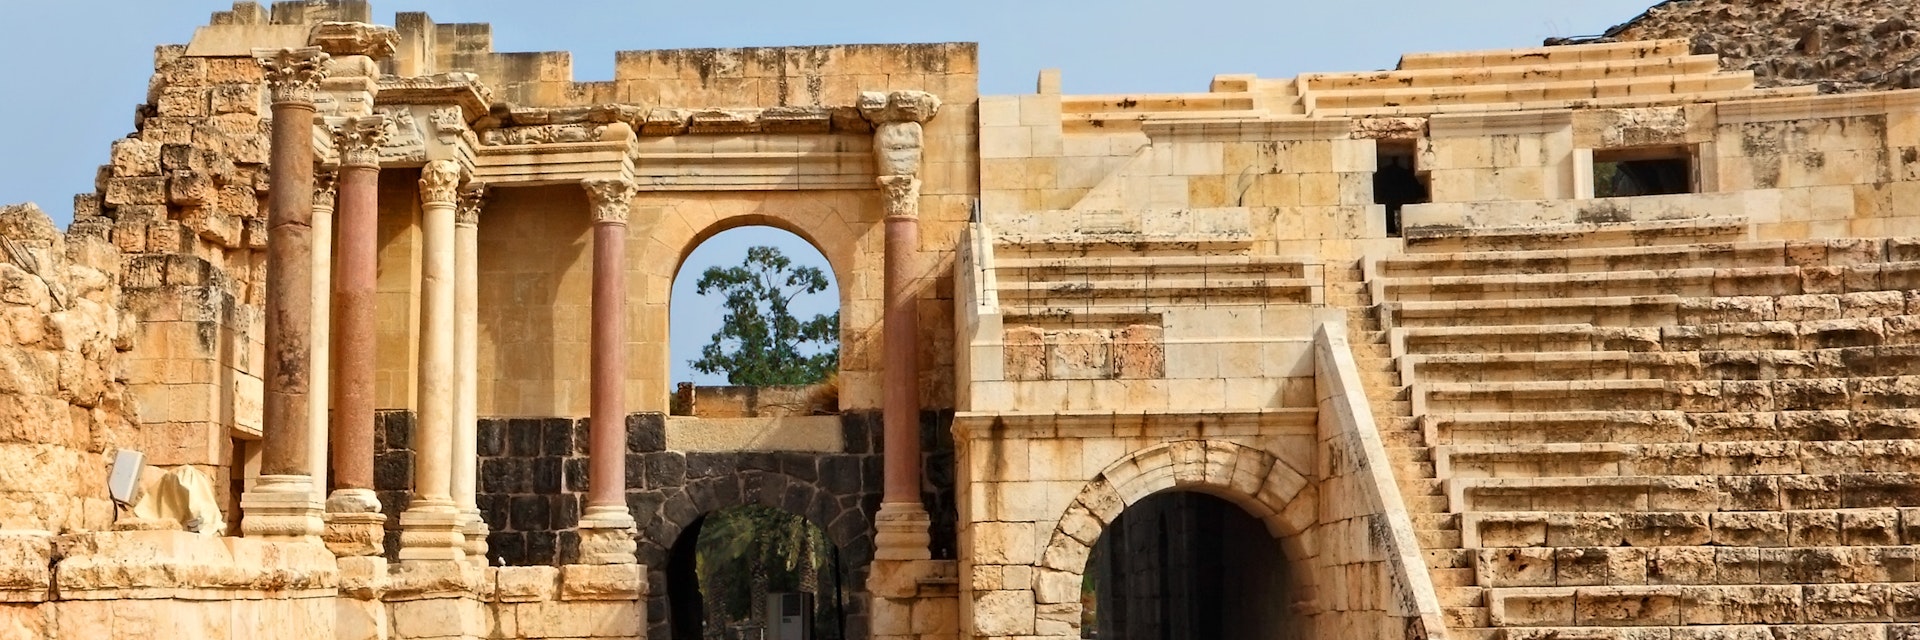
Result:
{"points": [[1054, 275], [1615, 74], [1663, 426]]}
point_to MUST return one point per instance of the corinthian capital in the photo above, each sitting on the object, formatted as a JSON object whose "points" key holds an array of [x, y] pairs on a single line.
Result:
{"points": [[611, 199], [325, 188], [900, 106], [440, 182], [472, 198], [901, 195], [293, 74], [359, 141]]}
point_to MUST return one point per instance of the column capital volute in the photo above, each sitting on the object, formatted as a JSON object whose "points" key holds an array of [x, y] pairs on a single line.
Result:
{"points": [[472, 198], [879, 107], [611, 199], [354, 39], [293, 75], [359, 140], [440, 182]]}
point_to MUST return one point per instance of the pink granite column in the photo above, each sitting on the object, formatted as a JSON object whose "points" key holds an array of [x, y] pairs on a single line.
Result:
{"points": [[607, 528], [355, 526], [902, 523], [282, 504]]}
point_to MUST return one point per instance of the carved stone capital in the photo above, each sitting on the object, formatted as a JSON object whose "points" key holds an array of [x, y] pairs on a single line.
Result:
{"points": [[440, 182], [897, 148], [472, 198], [899, 106], [360, 140], [293, 75], [901, 194], [354, 39], [611, 199], [326, 188]]}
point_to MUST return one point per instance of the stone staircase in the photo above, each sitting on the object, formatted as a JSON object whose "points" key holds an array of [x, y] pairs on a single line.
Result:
{"points": [[1653, 429], [1451, 568]]}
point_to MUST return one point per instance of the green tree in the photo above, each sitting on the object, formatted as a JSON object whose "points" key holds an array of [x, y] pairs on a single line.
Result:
{"points": [[760, 342]]}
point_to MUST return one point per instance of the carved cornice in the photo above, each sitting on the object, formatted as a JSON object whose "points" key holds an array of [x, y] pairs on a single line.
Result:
{"points": [[360, 139], [459, 88], [440, 182], [901, 195], [611, 199], [354, 39], [899, 106], [472, 198], [293, 75], [325, 189]]}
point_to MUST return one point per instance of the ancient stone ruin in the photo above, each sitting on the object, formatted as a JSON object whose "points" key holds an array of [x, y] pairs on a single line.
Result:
{"points": [[1587, 341]]}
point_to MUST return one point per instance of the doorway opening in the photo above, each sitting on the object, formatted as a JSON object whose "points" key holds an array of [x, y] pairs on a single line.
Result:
{"points": [[755, 573], [1187, 566], [1397, 181], [1643, 171]]}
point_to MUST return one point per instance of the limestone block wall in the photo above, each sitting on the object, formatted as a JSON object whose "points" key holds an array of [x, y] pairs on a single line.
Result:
{"points": [[64, 397]]}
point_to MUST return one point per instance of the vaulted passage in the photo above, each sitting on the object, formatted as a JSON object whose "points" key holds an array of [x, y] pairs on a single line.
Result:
{"points": [[1187, 566], [755, 572]]}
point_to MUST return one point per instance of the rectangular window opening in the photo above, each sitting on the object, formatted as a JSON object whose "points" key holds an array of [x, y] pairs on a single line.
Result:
{"points": [[1645, 171], [1397, 180]]}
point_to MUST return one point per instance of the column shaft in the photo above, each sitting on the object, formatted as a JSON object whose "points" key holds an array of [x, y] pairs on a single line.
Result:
{"points": [[431, 525], [466, 372], [324, 199], [353, 327], [607, 438], [901, 387], [289, 299]]}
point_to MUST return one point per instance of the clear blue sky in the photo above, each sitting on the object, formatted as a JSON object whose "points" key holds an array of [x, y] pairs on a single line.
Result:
{"points": [[78, 68]]}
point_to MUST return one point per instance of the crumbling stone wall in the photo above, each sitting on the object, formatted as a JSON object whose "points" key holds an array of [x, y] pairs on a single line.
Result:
{"points": [[1848, 45], [64, 402]]}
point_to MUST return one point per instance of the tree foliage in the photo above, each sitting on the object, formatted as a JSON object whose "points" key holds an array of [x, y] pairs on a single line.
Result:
{"points": [[745, 553], [760, 342]]}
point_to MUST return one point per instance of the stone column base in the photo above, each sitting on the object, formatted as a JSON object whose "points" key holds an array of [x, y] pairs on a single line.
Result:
{"points": [[432, 533], [901, 532], [282, 509], [606, 536], [355, 526], [476, 531]]}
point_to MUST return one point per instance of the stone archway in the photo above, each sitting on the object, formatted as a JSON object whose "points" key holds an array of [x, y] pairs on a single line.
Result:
{"points": [[842, 226], [1267, 487], [734, 480]]}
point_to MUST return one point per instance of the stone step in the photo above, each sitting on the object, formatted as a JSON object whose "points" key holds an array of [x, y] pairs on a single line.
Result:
{"points": [[1868, 526], [1511, 396], [1402, 439], [1579, 235], [1461, 596], [1449, 558], [1465, 616], [1663, 605], [1763, 253], [1628, 566], [1412, 469], [1834, 364], [1756, 457], [1425, 504], [1438, 539], [1699, 282], [1613, 311], [1411, 454], [1452, 578], [1436, 521], [1686, 493], [1415, 486], [1667, 426]]}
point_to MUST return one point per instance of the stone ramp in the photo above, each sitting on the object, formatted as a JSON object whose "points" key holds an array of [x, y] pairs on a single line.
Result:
{"points": [[1658, 428]]}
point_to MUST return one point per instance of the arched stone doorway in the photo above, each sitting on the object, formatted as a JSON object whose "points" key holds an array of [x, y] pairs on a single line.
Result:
{"points": [[1262, 487], [748, 571], [1184, 565], [834, 493]]}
